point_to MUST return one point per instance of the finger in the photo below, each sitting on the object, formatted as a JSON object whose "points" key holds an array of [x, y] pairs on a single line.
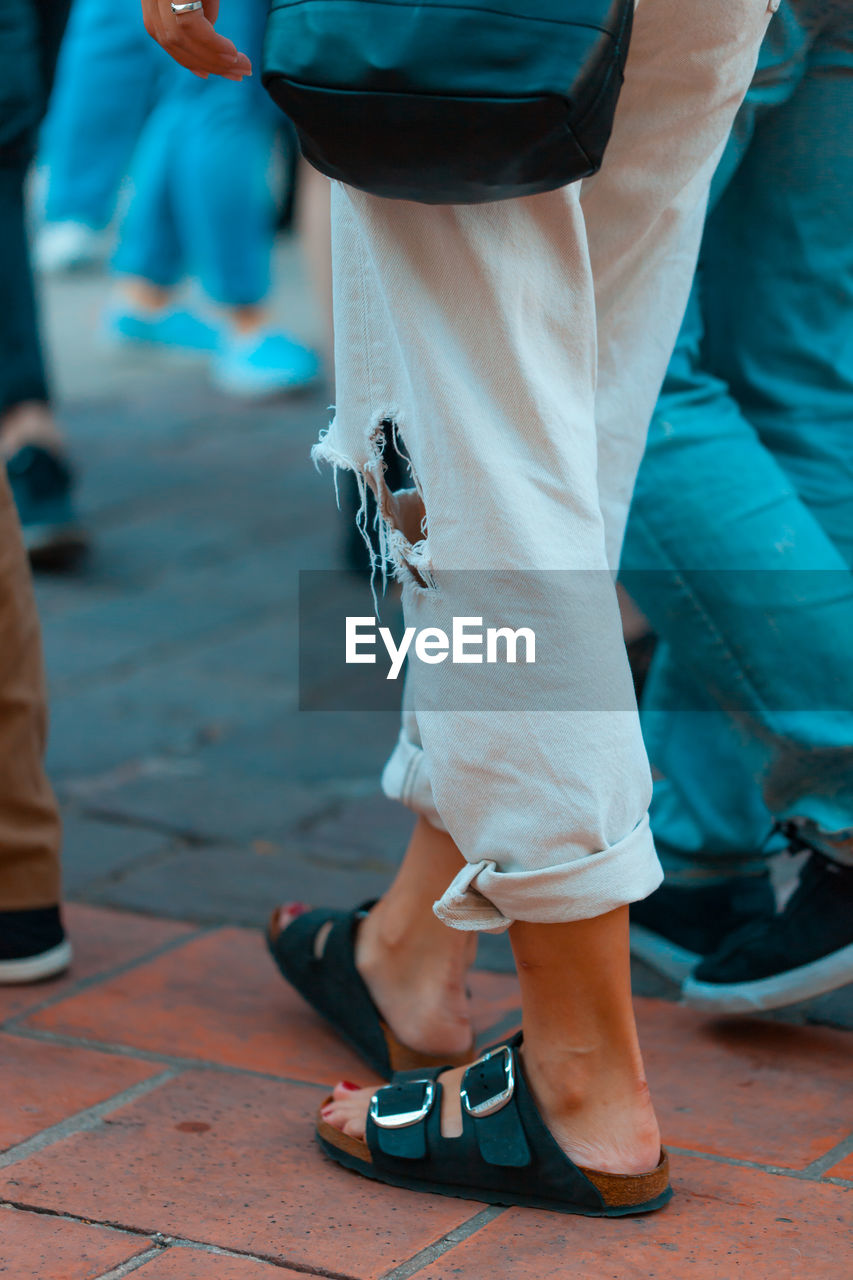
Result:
{"points": [[197, 57], [191, 63], [196, 36], [194, 61]]}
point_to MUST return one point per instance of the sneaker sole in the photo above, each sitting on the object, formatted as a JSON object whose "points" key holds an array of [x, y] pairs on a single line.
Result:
{"points": [[810, 980], [51, 546], [674, 962], [36, 968]]}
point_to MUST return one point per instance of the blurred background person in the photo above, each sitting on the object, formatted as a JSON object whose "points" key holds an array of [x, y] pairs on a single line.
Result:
{"points": [[739, 549], [202, 203], [105, 89], [30, 441], [33, 945]]}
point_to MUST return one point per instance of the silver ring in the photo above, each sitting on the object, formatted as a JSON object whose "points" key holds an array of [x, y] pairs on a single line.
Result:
{"points": [[192, 7]]}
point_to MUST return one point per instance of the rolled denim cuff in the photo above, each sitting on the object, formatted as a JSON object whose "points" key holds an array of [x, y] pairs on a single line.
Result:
{"points": [[484, 898]]}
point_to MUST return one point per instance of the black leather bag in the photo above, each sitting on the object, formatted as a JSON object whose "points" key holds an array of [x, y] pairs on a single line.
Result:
{"points": [[449, 101]]}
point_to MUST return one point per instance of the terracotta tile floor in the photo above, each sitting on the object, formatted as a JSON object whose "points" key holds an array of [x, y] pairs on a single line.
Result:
{"points": [[157, 1120]]}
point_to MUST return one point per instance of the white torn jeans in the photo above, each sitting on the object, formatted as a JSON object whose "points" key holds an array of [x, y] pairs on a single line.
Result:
{"points": [[518, 348]]}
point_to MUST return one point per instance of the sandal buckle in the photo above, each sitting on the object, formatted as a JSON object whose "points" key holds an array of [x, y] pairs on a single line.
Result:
{"points": [[402, 1119], [498, 1100]]}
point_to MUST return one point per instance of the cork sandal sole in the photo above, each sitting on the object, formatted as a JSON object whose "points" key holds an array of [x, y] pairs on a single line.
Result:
{"points": [[623, 1194]]}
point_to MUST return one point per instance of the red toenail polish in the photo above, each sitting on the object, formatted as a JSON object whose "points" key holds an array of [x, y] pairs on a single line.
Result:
{"points": [[347, 1084]]}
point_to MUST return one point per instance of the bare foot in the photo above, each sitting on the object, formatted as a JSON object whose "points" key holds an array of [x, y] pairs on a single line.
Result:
{"points": [[418, 983], [349, 1106], [616, 1135]]}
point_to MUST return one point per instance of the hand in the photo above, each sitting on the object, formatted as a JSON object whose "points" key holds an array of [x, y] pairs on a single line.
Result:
{"points": [[191, 40]]}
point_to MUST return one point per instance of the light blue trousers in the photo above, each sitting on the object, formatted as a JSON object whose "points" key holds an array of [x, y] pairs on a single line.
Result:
{"points": [[740, 540], [200, 173]]}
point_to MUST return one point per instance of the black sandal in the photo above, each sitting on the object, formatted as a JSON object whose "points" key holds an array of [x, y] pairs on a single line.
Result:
{"points": [[334, 988], [505, 1155]]}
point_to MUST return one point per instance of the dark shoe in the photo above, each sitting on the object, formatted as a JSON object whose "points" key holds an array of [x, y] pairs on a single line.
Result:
{"points": [[42, 486], [33, 946], [505, 1154], [678, 925], [804, 951]]}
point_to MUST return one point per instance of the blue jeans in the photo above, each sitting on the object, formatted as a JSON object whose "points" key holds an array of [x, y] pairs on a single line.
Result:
{"points": [[202, 202], [740, 540], [106, 86]]}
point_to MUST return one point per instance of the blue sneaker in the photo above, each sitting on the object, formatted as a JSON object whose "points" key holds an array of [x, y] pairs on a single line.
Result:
{"points": [[42, 486], [177, 329], [261, 364]]}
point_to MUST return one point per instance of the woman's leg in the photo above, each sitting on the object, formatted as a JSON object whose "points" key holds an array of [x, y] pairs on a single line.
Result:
{"points": [[547, 806], [581, 1054]]}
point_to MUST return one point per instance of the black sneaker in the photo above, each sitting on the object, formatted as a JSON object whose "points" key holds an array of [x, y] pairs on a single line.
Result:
{"points": [[42, 485], [33, 946], [804, 951], [678, 925]]}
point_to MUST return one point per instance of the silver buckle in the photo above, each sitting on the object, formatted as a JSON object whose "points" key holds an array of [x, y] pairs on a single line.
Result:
{"points": [[499, 1100], [402, 1119]]}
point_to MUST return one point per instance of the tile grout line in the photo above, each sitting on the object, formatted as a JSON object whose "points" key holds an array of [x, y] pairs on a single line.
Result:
{"points": [[424, 1257], [132, 1264], [82, 1121], [165, 1060], [84, 984], [832, 1157], [801, 1175], [179, 1242], [162, 1242]]}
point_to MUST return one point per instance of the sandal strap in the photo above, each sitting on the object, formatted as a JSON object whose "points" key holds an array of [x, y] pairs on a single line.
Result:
{"points": [[331, 982], [488, 1096], [398, 1115], [504, 1144]]}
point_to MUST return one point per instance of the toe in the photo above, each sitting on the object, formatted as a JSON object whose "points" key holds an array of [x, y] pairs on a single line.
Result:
{"points": [[285, 915], [332, 1114], [344, 1089], [343, 1118]]}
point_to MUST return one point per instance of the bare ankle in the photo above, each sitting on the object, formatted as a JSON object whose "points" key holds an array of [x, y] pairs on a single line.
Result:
{"points": [[410, 938], [598, 1107], [418, 981]]}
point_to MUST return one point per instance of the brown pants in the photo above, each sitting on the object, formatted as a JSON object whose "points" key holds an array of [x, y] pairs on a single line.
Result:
{"points": [[30, 831]]}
